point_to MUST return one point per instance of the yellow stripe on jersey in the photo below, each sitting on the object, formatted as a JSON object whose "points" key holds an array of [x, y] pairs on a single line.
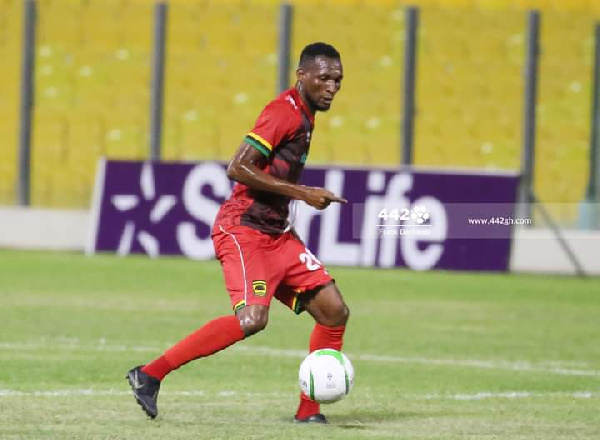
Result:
{"points": [[239, 305], [294, 302], [262, 140]]}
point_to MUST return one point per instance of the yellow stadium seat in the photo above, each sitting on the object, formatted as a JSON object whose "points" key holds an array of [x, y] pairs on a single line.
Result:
{"points": [[59, 22], [321, 148], [462, 54], [85, 142], [137, 25], [564, 109], [125, 136], [49, 142], [199, 140], [11, 16], [10, 54], [101, 24], [214, 89], [48, 156], [8, 158]]}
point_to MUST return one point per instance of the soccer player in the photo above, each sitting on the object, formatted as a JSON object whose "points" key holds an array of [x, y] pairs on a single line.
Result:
{"points": [[261, 254]]}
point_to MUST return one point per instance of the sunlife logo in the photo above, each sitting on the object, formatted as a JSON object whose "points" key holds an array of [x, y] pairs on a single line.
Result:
{"points": [[161, 206], [169, 208]]}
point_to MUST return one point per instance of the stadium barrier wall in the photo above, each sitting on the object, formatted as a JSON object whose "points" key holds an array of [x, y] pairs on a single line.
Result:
{"points": [[538, 251], [533, 250], [43, 229]]}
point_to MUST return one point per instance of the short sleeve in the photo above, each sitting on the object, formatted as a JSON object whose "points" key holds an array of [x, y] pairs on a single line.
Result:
{"points": [[276, 123]]}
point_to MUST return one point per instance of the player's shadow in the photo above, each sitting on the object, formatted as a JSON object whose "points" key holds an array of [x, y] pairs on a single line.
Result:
{"points": [[362, 419]]}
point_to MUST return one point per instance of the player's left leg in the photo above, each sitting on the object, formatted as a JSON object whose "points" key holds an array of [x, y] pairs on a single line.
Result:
{"points": [[249, 275]]}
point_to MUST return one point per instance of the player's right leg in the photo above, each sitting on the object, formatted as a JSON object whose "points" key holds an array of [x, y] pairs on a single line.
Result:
{"points": [[310, 287], [248, 285], [330, 313]]}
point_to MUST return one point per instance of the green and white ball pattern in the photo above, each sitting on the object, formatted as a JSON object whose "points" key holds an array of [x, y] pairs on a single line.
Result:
{"points": [[326, 375]]}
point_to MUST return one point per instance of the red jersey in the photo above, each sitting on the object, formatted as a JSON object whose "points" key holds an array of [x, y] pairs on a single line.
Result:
{"points": [[282, 134]]}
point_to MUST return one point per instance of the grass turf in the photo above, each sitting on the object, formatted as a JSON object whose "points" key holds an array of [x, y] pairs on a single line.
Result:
{"points": [[437, 355]]}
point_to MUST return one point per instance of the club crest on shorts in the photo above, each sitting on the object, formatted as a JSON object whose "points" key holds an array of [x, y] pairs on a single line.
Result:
{"points": [[259, 287]]}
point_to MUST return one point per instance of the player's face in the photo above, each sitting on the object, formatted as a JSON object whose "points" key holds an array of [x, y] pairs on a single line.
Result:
{"points": [[321, 80]]}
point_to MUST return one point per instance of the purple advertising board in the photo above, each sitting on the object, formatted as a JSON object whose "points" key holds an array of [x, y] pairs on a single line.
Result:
{"points": [[411, 218]]}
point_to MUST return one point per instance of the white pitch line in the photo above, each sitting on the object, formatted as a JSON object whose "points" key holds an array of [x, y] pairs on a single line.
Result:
{"points": [[549, 367], [228, 394], [495, 365], [113, 392], [512, 395], [77, 347]]}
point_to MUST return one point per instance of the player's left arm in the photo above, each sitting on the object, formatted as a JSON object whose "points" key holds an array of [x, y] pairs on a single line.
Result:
{"points": [[246, 168], [276, 123]]}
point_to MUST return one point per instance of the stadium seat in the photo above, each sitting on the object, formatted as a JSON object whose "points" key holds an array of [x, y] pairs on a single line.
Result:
{"points": [[564, 112], [460, 51], [10, 54], [64, 31], [48, 156], [136, 25], [8, 159], [99, 71], [125, 137], [85, 141], [101, 24], [217, 71]]}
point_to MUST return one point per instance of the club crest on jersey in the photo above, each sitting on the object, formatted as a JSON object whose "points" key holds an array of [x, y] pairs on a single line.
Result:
{"points": [[259, 287]]}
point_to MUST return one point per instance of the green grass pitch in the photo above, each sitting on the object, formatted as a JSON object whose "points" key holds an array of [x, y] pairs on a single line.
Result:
{"points": [[437, 355]]}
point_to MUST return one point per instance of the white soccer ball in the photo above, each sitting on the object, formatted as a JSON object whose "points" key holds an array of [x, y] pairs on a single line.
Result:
{"points": [[326, 375]]}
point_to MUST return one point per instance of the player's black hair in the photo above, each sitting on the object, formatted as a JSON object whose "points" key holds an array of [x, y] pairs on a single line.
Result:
{"points": [[310, 52]]}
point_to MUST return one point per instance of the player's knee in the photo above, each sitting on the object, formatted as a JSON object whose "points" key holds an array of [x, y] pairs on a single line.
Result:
{"points": [[336, 316], [346, 314], [253, 325], [343, 313], [253, 319]]}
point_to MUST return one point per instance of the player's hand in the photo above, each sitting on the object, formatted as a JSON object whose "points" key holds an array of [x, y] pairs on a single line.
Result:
{"points": [[321, 198]]}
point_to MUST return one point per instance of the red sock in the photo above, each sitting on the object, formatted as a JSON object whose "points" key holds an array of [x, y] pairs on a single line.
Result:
{"points": [[214, 336], [158, 368], [321, 337]]}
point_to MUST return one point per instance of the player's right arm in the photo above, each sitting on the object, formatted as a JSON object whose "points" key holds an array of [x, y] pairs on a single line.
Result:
{"points": [[245, 168]]}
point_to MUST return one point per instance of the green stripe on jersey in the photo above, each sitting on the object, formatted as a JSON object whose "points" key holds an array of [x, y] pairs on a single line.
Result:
{"points": [[260, 147]]}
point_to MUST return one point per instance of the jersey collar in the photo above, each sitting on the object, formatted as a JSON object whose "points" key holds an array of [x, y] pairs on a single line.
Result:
{"points": [[298, 99]]}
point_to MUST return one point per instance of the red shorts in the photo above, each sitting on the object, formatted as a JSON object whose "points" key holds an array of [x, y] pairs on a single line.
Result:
{"points": [[258, 266]]}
